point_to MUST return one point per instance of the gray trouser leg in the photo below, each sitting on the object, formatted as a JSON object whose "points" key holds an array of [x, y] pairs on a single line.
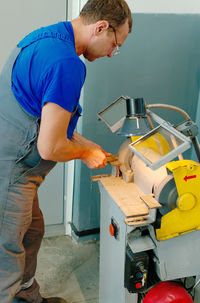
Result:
{"points": [[18, 235], [21, 173]]}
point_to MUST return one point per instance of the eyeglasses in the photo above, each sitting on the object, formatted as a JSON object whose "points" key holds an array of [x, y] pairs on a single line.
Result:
{"points": [[116, 50]]}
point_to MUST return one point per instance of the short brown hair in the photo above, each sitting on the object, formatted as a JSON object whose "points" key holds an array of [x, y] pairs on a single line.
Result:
{"points": [[116, 12]]}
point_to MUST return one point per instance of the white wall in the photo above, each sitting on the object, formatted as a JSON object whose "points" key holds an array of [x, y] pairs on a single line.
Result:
{"points": [[162, 6], [19, 17]]}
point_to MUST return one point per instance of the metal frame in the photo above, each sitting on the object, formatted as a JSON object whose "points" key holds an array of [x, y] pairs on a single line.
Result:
{"points": [[118, 124], [171, 155], [73, 9]]}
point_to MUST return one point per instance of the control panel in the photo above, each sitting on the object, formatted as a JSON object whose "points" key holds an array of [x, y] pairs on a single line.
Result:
{"points": [[136, 271]]}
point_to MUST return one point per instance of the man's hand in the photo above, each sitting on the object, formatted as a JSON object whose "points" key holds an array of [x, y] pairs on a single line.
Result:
{"points": [[94, 156]]}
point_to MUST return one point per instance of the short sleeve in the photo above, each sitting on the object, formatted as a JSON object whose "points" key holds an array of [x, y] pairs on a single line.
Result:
{"points": [[62, 83]]}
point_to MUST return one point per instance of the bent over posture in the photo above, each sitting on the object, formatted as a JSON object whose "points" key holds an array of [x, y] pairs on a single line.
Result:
{"points": [[40, 87]]}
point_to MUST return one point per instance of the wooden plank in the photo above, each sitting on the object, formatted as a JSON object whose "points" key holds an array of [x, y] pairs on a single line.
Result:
{"points": [[135, 220], [112, 158], [98, 177], [126, 195], [150, 201], [114, 163]]}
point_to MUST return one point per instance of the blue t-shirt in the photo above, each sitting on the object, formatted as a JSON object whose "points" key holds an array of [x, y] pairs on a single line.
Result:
{"points": [[49, 70]]}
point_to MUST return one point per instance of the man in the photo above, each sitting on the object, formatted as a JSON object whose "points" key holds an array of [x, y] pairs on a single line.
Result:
{"points": [[40, 87]]}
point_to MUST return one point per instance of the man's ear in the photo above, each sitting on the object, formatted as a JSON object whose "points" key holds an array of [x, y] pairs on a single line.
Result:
{"points": [[101, 26]]}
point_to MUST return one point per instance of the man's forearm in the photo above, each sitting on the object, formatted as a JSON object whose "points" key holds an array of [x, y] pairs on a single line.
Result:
{"points": [[64, 150], [54, 145], [80, 139]]}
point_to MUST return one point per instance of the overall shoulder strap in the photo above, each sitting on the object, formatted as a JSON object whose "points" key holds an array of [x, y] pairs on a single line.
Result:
{"points": [[6, 72], [41, 34], [36, 35]]}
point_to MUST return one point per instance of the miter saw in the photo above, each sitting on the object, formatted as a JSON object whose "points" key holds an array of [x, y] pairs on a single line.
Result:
{"points": [[150, 208]]}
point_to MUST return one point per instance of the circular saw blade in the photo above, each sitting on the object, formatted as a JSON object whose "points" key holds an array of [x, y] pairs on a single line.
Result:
{"points": [[166, 194]]}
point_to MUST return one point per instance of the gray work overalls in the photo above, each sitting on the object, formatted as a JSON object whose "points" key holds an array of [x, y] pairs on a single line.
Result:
{"points": [[21, 173]]}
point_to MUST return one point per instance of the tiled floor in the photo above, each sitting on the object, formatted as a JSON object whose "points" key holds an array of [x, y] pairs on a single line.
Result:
{"points": [[69, 270]]}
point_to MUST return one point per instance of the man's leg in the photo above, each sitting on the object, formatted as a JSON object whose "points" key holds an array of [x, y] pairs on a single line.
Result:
{"points": [[29, 289], [16, 217]]}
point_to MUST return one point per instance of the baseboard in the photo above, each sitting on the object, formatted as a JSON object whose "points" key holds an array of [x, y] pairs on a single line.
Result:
{"points": [[85, 235], [54, 230]]}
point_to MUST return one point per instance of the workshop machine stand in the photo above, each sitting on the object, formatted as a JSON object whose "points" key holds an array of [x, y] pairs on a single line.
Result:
{"points": [[112, 253], [116, 235], [116, 207], [139, 245]]}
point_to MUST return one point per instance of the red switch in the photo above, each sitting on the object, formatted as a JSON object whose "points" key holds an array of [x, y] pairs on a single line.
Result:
{"points": [[112, 230], [138, 285]]}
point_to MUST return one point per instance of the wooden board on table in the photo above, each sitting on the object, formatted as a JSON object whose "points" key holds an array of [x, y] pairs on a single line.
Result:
{"points": [[150, 201], [126, 195]]}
